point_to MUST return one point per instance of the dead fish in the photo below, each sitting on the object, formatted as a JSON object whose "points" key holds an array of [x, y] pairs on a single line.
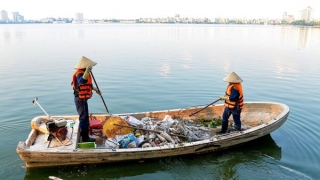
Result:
{"points": [[161, 138], [147, 126], [173, 130], [152, 135], [194, 128], [153, 144], [191, 135], [176, 139], [146, 120], [54, 178], [145, 145], [180, 126], [167, 137]]}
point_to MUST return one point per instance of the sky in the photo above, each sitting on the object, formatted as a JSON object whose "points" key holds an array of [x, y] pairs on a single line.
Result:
{"points": [[134, 9]]}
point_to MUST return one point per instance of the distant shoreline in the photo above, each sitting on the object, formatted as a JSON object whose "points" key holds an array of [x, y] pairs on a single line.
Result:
{"points": [[176, 23]]}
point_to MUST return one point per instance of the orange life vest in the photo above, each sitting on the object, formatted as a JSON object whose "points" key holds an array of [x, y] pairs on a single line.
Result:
{"points": [[83, 90], [231, 104]]}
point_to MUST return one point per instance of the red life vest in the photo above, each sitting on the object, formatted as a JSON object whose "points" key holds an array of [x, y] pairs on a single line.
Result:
{"points": [[232, 104], [83, 90]]}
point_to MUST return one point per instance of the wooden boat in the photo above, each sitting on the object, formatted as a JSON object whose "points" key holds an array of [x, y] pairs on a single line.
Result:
{"points": [[262, 118]]}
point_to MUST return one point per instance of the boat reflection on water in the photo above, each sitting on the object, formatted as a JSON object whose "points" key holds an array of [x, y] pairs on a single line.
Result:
{"points": [[260, 155], [266, 146], [240, 162], [101, 171], [226, 164]]}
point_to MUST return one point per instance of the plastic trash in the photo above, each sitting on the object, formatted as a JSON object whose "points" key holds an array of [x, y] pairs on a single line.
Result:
{"points": [[146, 145], [168, 120], [132, 145], [112, 143], [126, 140], [161, 138], [132, 120], [139, 140], [166, 136]]}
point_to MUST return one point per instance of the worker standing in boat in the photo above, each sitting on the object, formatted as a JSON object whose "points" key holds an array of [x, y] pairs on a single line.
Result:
{"points": [[233, 102], [82, 86]]}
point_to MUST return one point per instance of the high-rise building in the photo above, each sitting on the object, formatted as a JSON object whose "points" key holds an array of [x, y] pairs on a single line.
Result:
{"points": [[306, 14], [79, 17], [4, 16], [284, 15], [288, 18], [15, 16]]}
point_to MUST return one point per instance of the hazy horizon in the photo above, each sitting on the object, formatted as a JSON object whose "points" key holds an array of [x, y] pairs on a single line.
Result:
{"points": [[134, 9]]}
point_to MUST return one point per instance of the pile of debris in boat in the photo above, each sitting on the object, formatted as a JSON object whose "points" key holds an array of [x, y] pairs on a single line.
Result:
{"points": [[130, 132]]}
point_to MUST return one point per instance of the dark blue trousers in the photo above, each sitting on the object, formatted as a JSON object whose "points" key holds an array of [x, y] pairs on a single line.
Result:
{"points": [[235, 114], [83, 111]]}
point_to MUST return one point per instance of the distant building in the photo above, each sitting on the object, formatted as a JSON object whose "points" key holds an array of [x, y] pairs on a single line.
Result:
{"points": [[59, 22], [288, 18], [17, 18], [4, 16], [306, 14], [128, 21], [285, 14], [78, 18], [47, 20]]}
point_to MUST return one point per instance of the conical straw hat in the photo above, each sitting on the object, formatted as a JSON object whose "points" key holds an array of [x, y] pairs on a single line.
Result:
{"points": [[84, 63], [232, 78]]}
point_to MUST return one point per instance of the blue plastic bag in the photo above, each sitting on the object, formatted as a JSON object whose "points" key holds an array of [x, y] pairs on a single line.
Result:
{"points": [[126, 140]]}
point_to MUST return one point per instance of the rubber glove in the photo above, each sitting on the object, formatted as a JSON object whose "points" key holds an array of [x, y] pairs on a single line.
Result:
{"points": [[87, 72], [97, 90], [224, 97]]}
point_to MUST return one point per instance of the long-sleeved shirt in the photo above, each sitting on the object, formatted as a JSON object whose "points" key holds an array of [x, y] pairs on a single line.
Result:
{"points": [[80, 80], [234, 96]]}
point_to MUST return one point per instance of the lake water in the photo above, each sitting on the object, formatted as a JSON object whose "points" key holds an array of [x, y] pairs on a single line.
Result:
{"points": [[145, 67]]}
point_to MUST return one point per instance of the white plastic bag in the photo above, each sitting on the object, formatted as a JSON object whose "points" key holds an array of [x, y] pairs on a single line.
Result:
{"points": [[168, 120], [133, 121]]}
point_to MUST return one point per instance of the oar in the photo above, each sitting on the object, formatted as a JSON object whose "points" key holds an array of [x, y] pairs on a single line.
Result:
{"points": [[149, 130], [99, 91], [204, 107]]}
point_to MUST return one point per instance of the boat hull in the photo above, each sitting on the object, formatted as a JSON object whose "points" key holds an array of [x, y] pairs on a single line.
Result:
{"points": [[75, 156]]}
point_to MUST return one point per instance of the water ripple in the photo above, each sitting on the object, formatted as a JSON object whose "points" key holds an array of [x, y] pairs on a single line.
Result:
{"points": [[145, 67]]}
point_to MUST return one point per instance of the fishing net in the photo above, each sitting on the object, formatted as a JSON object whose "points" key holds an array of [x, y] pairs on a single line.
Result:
{"points": [[111, 130]]}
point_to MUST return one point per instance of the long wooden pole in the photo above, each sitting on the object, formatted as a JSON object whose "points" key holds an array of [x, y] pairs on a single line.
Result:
{"points": [[204, 107], [149, 130], [99, 91]]}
